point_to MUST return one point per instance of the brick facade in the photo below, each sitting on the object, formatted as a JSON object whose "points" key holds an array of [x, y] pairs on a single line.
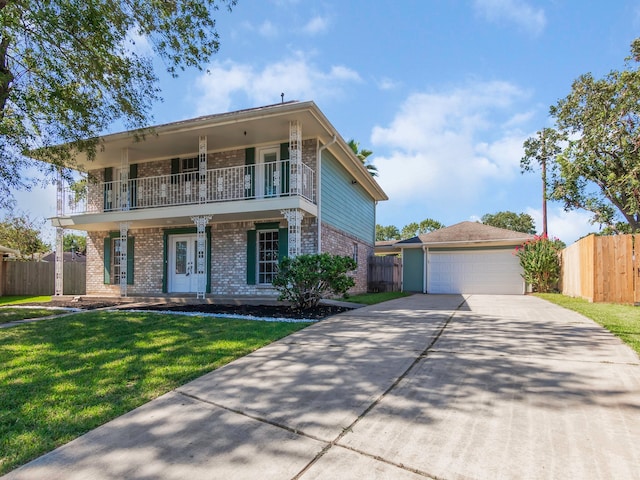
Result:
{"points": [[337, 242], [228, 240], [228, 260]]}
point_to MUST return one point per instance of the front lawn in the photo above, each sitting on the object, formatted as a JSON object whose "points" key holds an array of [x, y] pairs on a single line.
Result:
{"points": [[18, 299], [63, 378], [8, 314], [373, 298], [621, 320]]}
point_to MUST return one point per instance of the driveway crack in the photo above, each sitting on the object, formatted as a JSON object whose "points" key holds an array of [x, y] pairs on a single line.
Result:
{"points": [[402, 376]]}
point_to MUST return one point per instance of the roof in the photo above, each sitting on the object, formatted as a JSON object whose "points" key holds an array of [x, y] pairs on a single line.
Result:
{"points": [[66, 256], [9, 250], [230, 130], [467, 233]]}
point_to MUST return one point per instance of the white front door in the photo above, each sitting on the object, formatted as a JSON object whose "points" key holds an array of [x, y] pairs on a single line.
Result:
{"points": [[183, 268]]}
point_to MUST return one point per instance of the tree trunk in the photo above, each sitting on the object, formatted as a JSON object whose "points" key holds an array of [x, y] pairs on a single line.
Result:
{"points": [[6, 77]]}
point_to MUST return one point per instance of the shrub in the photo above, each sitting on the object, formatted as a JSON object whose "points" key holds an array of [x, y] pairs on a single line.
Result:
{"points": [[306, 279], [540, 260]]}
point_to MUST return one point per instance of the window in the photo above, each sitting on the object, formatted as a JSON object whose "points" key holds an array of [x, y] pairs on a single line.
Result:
{"points": [[267, 255], [355, 252], [112, 267], [190, 165]]}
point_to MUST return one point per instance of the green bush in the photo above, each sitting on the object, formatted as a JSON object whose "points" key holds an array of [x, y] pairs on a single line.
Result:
{"points": [[306, 279], [540, 260]]}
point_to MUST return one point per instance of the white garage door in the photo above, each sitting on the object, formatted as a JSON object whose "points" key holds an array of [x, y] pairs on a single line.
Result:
{"points": [[479, 271]]}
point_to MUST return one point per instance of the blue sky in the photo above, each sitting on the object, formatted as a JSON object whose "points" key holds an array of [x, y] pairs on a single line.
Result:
{"points": [[443, 91]]}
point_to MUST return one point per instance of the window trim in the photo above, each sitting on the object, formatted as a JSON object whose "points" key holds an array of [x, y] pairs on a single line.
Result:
{"points": [[252, 248], [107, 261], [261, 263]]}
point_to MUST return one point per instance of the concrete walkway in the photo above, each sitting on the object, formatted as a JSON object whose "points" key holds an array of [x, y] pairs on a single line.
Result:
{"points": [[448, 387]]}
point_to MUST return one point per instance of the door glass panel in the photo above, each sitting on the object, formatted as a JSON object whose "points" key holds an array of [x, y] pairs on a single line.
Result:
{"points": [[270, 169], [181, 257]]}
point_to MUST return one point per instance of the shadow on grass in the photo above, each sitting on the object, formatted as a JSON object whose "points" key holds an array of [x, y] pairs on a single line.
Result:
{"points": [[60, 379]]}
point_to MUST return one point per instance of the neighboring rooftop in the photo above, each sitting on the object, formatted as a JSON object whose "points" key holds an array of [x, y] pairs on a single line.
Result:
{"points": [[466, 233]]}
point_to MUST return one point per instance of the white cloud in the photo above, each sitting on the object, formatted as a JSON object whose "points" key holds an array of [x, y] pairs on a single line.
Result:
{"points": [[387, 84], [567, 226], [139, 44], [231, 84], [316, 25], [447, 147], [268, 29], [518, 12]]}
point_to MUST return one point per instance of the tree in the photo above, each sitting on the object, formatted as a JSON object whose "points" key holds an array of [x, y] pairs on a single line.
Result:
{"points": [[598, 131], [518, 222], [390, 232], [23, 233], [70, 68], [425, 226], [306, 279], [542, 148], [75, 243], [540, 261], [363, 155]]}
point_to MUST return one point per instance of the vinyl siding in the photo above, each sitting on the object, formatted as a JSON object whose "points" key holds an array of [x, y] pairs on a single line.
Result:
{"points": [[345, 206]]}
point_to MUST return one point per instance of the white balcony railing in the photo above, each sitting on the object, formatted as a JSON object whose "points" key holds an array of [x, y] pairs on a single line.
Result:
{"points": [[247, 182]]}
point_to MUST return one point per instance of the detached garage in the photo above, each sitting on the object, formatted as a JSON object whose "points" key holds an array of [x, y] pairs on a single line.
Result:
{"points": [[468, 257]]}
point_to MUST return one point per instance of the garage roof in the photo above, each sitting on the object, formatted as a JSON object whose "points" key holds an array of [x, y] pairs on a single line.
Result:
{"points": [[466, 234]]}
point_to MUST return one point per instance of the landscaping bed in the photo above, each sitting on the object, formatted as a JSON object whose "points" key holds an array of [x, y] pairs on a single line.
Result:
{"points": [[259, 311]]}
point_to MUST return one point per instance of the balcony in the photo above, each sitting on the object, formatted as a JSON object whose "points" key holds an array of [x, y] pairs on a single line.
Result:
{"points": [[231, 184]]}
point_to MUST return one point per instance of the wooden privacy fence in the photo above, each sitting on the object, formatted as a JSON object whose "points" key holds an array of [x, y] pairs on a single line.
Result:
{"points": [[38, 278], [602, 269], [383, 274]]}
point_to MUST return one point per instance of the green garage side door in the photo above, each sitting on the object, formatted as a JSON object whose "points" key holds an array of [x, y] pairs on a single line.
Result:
{"points": [[412, 269]]}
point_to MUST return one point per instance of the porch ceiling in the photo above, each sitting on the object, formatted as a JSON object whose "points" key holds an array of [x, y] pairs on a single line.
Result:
{"points": [[224, 131]]}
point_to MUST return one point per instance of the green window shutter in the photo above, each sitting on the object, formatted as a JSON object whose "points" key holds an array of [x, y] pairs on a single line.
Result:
{"points": [[284, 168], [133, 186], [175, 169], [108, 177], [251, 257], [284, 151], [283, 243], [250, 159], [107, 260], [130, 242], [175, 166]]}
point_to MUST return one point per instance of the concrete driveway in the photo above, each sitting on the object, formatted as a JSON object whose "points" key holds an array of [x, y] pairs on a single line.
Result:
{"points": [[448, 387]]}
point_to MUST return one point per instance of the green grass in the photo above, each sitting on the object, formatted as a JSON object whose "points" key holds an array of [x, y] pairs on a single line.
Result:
{"points": [[18, 299], [373, 298], [63, 378], [621, 320], [8, 314]]}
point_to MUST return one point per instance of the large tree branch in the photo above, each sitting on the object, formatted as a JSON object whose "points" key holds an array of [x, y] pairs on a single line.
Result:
{"points": [[6, 77]]}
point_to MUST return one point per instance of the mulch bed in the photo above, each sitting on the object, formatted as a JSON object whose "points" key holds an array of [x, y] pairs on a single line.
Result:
{"points": [[268, 311]]}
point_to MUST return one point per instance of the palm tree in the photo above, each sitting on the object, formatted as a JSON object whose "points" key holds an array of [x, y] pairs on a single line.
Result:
{"points": [[362, 155]]}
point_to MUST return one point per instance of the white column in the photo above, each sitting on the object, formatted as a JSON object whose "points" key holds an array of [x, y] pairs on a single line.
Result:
{"points": [[59, 266], [124, 180], [201, 255], [294, 218], [124, 237], [59, 257], [295, 157], [202, 159]]}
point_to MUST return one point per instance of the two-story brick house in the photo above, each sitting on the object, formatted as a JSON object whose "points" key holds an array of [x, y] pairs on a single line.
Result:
{"points": [[210, 205]]}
